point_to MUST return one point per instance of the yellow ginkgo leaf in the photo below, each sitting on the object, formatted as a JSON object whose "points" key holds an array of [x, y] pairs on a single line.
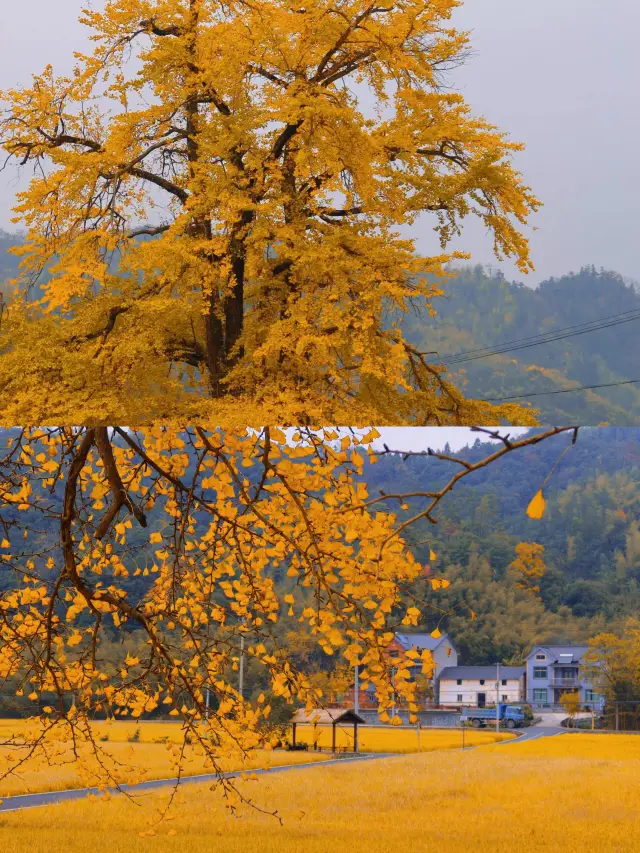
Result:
{"points": [[432, 555], [5, 543], [436, 634], [155, 537], [536, 506]]}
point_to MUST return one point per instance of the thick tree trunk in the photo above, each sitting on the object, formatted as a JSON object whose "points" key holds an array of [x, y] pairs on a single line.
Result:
{"points": [[214, 339]]}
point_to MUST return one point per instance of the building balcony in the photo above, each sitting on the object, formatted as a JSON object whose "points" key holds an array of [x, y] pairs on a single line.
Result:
{"points": [[564, 682]]}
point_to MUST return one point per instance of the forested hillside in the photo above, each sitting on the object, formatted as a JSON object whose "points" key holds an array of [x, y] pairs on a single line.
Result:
{"points": [[483, 310], [8, 263], [590, 532]]}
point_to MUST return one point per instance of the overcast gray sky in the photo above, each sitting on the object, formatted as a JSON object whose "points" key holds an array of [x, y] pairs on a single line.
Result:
{"points": [[423, 438], [555, 74]]}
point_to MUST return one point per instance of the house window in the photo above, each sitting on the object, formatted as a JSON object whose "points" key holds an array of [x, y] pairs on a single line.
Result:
{"points": [[459, 681], [459, 697], [541, 657], [505, 698], [590, 695], [539, 672], [504, 682], [539, 695], [482, 681]]}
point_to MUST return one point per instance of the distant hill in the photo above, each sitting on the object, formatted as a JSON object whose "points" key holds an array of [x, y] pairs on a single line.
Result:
{"points": [[590, 532], [484, 310], [8, 263]]}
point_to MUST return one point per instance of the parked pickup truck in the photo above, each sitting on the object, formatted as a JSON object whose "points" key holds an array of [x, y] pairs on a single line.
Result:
{"points": [[509, 715]]}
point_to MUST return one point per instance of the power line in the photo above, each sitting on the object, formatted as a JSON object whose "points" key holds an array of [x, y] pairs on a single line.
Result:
{"points": [[544, 339], [562, 391], [543, 334]]}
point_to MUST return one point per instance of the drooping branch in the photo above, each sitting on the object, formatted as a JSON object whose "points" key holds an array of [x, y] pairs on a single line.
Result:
{"points": [[120, 496]]}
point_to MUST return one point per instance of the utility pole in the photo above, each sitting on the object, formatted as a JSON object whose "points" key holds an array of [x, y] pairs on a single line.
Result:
{"points": [[206, 701], [497, 698], [356, 707]]}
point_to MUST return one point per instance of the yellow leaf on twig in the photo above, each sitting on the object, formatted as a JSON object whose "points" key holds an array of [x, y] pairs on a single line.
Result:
{"points": [[536, 506]]}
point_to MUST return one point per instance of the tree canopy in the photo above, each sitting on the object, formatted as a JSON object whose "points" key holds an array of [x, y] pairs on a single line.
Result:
{"points": [[217, 197]]}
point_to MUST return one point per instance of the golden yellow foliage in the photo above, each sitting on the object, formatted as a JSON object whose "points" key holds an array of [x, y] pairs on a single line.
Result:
{"points": [[219, 215], [536, 505], [529, 565]]}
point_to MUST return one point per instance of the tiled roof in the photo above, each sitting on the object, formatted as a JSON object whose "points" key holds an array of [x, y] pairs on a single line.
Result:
{"points": [[421, 641], [555, 652], [476, 672]]}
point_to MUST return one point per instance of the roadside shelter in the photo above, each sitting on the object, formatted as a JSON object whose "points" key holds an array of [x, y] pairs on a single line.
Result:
{"points": [[329, 716]]}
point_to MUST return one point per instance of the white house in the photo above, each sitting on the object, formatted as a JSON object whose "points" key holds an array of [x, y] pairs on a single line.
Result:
{"points": [[475, 686]]}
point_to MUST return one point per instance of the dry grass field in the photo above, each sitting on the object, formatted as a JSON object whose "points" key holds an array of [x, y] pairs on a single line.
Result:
{"points": [[401, 739], [565, 794], [155, 751], [153, 756]]}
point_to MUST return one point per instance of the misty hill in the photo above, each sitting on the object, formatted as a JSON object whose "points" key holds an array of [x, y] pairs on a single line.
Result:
{"points": [[8, 263], [482, 309]]}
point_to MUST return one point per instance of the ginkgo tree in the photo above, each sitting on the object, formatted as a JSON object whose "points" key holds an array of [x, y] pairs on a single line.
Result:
{"points": [[175, 537], [214, 217]]}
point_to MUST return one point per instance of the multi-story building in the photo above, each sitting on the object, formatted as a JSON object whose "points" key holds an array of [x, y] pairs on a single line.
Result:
{"points": [[475, 686], [554, 671]]}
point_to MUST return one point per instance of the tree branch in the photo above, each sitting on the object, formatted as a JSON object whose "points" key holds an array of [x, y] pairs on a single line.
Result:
{"points": [[120, 495]]}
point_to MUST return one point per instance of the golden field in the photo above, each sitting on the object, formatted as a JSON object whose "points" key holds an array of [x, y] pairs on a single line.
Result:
{"points": [[160, 759], [565, 794], [401, 739]]}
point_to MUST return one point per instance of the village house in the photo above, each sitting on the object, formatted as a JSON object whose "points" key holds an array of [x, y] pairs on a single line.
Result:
{"points": [[554, 671], [475, 686], [442, 649]]}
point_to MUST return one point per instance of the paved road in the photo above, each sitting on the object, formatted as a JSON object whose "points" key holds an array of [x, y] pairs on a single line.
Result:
{"points": [[48, 798], [535, 733]]}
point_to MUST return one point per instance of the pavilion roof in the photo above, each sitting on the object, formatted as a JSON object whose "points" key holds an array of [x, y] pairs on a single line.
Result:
{"points": [[324, 716]]}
